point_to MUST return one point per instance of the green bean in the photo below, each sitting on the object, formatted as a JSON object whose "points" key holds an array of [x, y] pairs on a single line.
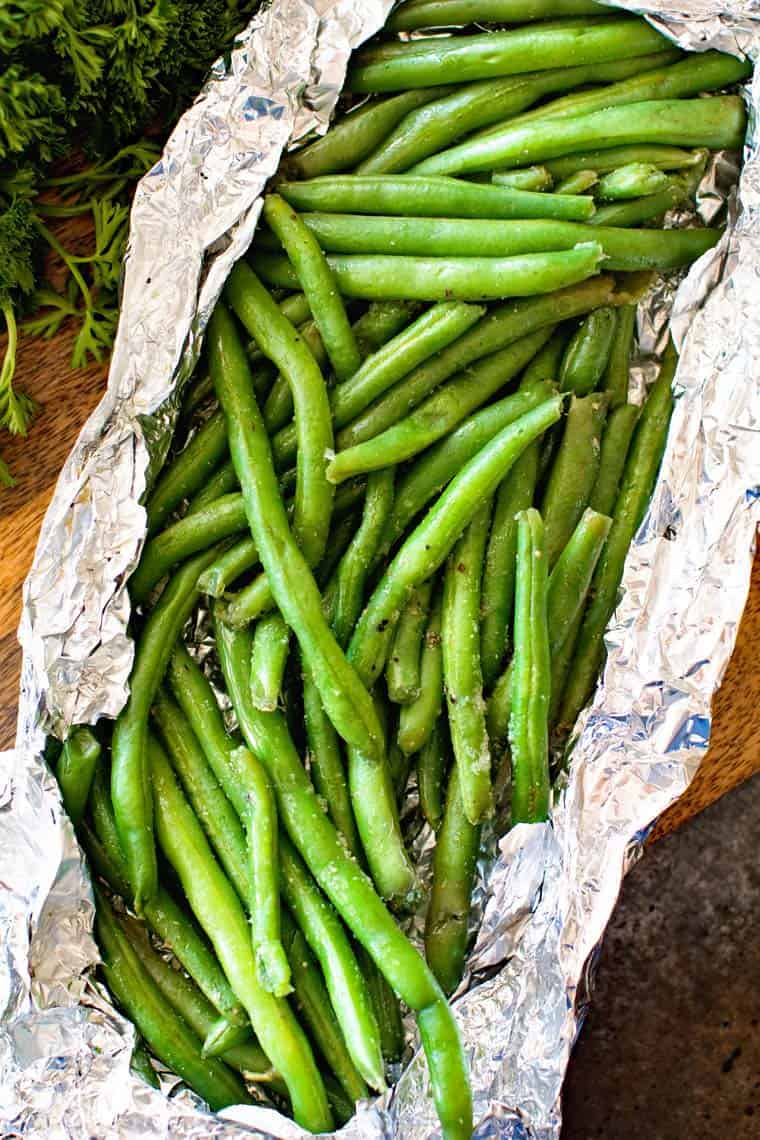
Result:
{"points": [[326, 765], [293, 588], [441, 412], [636, 486], [716, 122], [560, 669], [417, 719], [632, 181], [579, 183], [588, 352], [167, 1034], [531, 676], [603, 161], [140, 1065], [616, 441], [188, 472], [457, 237], [223, 1036], [357, 134], [240, 557], [386, 1007], [353, 896], [470, 106], [400, 766], [427, 547], [574, 472], [271, 644], [420, 63], [129, 776], [215, 904], [351, 575], [432, 762], [639, 210], [616, 375], [327, 939], [260, 315], [427, 198], [463, 680], [402, 671], [221, 483], [500, 327], [546, 363], [318, 285], [454, 860], [277, 409], [434, 330], [221, 519], [440, 463], [162, 915], [453, 13], [313, 1003], [185, 997], [377, 276], [515, 494], [75, 771], [529, 178]]}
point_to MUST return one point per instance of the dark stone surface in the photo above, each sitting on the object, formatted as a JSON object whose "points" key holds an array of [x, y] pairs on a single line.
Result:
{"points": [[671, 1049]]}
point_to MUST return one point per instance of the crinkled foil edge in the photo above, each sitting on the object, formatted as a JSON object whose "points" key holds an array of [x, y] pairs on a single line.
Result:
{"points": [[64, 1051]]}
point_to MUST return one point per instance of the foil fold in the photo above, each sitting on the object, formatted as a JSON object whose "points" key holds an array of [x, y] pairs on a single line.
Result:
{"points": [[545, 899]]}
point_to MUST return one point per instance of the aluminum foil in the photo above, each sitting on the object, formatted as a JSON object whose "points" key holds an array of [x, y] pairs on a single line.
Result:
{"points": [[545, 900]]}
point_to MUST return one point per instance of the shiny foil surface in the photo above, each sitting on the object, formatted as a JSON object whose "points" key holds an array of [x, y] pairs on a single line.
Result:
{"points": [[545, 897]]}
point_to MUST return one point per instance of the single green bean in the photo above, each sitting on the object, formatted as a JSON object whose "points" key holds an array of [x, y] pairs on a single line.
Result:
{"points": [[215, 904], [454, 13], [329, 943], [603, 161], [326, 765], [354, 567], [441, 412], [546, 363], [462, 676], [500, 327], [269, 656], [357, 134], [353, 896], [277, 409], [515, 494], [75, 771], [458, 237], [313, 1003], [162, 915], [166, 1034], [432, 762], [471, 106], [621, 215], [454, 861], [223, 518], [434, 330], [579, 183], [417, 719], [560, 669], [588, 352], [240, 557], [574, 472], [141, 1066], [531, 676], [188, 472], [293, 588], [636, 486], [616, 374], [386, 1007], [616, 441], [421, 63], [130, 788], [428, 198], [632, 181], [402, 671], [373, 798], [427, 547], [716, 122], [221, 483], [378, 276], [529, 178], [318, 285], [223, 1036]]}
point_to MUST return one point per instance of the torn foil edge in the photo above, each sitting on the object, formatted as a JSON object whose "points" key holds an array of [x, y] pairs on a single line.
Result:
{"points": [[64, 1052]]}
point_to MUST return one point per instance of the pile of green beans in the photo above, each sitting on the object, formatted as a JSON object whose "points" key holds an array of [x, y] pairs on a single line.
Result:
{"points": [[396, 518]]}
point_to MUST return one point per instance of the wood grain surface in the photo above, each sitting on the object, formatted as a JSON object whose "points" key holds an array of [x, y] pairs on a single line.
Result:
{"points": [[67, 397]]}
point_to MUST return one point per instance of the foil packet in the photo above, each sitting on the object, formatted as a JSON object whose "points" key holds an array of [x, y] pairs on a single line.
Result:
{"points": [[545, 897]]}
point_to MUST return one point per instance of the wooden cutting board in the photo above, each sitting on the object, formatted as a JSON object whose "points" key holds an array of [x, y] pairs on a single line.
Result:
{"points": [[67, 398]]}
